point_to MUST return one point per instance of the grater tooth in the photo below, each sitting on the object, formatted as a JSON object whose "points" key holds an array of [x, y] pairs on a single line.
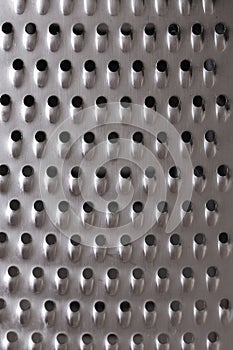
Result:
{"points": [[42, 6], [30, 36], [7, 36], [113, 7], [54, 37], [19, 6]]}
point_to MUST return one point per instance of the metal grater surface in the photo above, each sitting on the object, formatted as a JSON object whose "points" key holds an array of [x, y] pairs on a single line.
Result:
{"points": [[115, 174]]}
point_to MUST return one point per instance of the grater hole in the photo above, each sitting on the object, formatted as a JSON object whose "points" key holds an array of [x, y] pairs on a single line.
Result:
{"points": [[213, 337], [175, 239], [210, 65], [174, 172], [212, 271], [126, 29], [150, 240], [113, 207], [41, 65], [64, 136], [63, 206], [113, 137], [225, 304], [173, 29], [101, 172], [50, 305], [113, 66], [24, 304], [30, 28], [99, 306], [223, 238], [200, 238], [39, 205], [75, 240], [29, 101], [125, 240], [54, 29], [162, 137], [125, 102], [138, 207], [78, 29], [112, 339], [221, 100], [125, 306], [14, 204], [76, 172], [26, 238], [3, 237], [88, 207], [137, 66], [77, 101], [161, 66], [27, 171], [138, 137], [16, 135], [7, 28], [198, 171], [2, 304], [197, 29], [12, 337], [87, 273], [150, 102], [211, 205], [185, 65], [13, 271], [187, 206], [51, 239], [4, 170], [223, 170], [188, 338], [220, 28], [174, 101], [198, 101], [5, 100], [162, 207], [138, 339], [210, 136], [51, 171], [37, 338], [138, 273], [102, 29], [200, 305], [150, 172], [101, 102], [74, 306], [125, 172], [113, 274], [65, 65], [186, 137], [150, 306], [150, 29], [40, 136], [89, 66], [63, 273], [163, 273], [175, 306], [53, 101], [100, 240], [18, 64], [38, 272], [187, 272], [87, 339], [163, 338], [89, 137]]}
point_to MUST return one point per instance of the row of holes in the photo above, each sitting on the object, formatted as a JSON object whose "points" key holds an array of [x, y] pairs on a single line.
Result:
{"points": [[114, 66], [126, 29], [125, 102], [112, 339], [150, 240]]}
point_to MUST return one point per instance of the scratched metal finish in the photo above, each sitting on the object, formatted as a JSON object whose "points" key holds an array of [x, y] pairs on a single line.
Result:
{"points": [[180, 295]]}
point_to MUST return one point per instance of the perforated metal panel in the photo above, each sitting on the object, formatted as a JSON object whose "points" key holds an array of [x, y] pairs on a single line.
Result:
{"points": [[115, 175]]}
